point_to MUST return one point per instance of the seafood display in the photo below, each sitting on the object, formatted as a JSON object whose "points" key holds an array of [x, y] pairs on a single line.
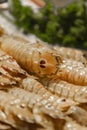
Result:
{"points": [[42, 114], [40, 87], [43, 61], [34, 96]]}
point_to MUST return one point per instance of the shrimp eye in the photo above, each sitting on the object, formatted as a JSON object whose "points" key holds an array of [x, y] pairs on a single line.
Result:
{"points": [[85, 55], [63, 100], [42, 63]]}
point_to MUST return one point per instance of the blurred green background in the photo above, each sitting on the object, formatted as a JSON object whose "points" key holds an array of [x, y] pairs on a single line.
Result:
{"points": [[66, 26]]}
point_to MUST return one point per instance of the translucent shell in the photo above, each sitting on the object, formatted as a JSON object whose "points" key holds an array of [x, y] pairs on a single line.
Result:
{"points": [[39, 60]]}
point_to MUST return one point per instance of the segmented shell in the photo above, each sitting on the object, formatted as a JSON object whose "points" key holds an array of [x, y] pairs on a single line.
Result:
{"points": [[73, 72], [44, 116], [10, 72], [43, 61], [39, 60], [34, 86], [67, 90], [70, 53], [11, 68], [12, 112], [34, 100], [28, 104]]}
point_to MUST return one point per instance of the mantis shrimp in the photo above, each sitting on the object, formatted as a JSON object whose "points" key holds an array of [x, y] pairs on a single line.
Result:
{"points": [[40, 112], [59, 103], [15, 102], [20, 78], [42, 61], [67, 90], [31, 103], [73, 72], [10, 72], [35, 58], [12, 112], [70, 53]]}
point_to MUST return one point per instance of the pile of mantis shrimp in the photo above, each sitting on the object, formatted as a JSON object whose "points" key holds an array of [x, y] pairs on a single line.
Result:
{"points": [[42, 87]]}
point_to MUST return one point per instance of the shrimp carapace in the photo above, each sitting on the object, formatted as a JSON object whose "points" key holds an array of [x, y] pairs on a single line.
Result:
{"points": [[43, 61], [64, 89], [73, 72], [71, 53], [11, 73], [39, 60]]}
